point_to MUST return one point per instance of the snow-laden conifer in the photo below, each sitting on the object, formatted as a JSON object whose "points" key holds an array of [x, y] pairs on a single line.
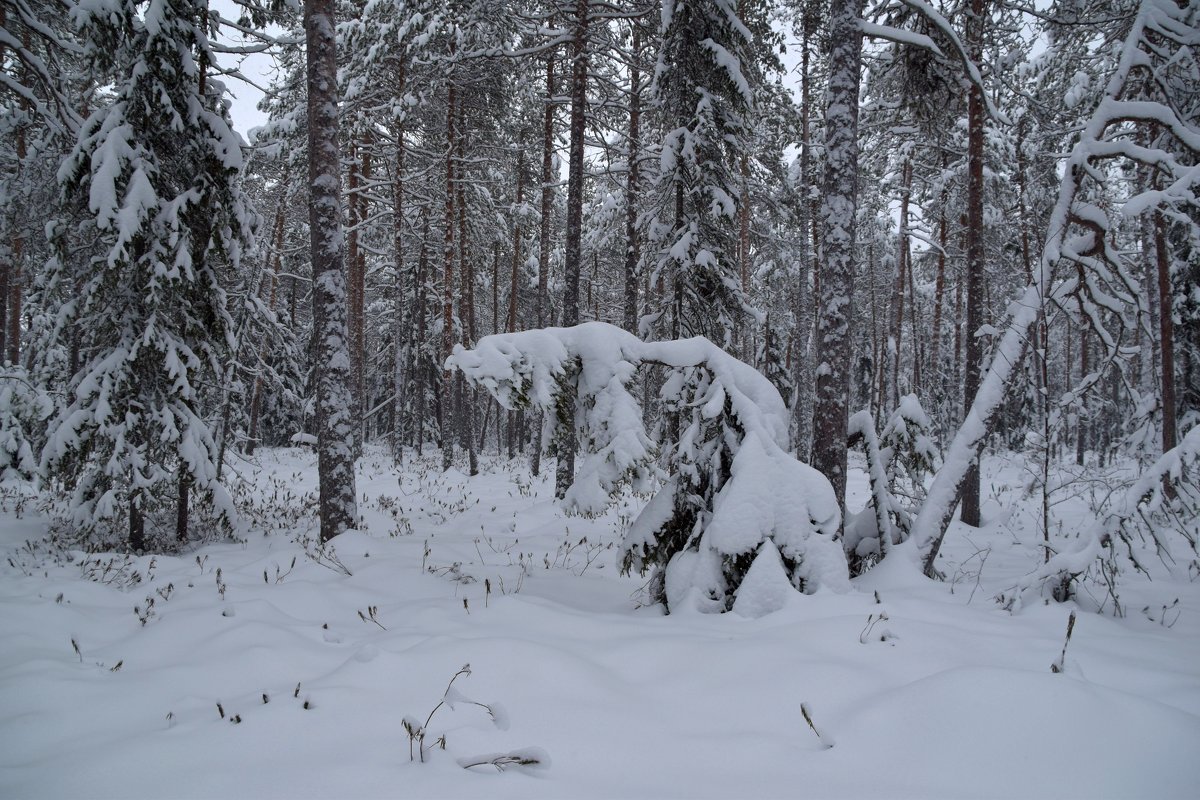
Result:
{"points": [[155, 174], [732, 496]]}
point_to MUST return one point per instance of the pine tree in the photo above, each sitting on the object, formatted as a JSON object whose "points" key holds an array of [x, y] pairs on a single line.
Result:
{"points": [[335, 420], [838, 218]]}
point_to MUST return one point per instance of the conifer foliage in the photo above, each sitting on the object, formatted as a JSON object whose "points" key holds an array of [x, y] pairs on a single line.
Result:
{"points": [[704, 91], [153, 179]]}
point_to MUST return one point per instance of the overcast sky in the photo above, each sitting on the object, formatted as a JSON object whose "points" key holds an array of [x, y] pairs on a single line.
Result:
{"points": [[256, 67]]}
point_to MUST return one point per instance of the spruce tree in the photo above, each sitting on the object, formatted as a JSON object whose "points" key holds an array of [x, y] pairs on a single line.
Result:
{"points": [[156, 171]]}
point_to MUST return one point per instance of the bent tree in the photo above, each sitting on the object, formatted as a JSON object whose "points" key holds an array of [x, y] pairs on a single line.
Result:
{"points": [[1079, 268], [738, 523]]}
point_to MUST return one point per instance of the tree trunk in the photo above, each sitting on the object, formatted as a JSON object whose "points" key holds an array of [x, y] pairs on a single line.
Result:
{"points": [[565, 446], [802, 411], [355, 294], [838, 207], [543, 299], [420, 306], [181, 507], [137, 524], [466, 271], [15, 278], [362, 402], [746, 324], [444, 397], [515, 278], [939, 291], [897, 331], [1166, 332], [632, 183], [400, 343], [5, 265], [975, 266], [276, 257], [335, 426]]}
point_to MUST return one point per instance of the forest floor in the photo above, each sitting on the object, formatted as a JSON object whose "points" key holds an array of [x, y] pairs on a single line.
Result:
{"points": [[264, 669]]}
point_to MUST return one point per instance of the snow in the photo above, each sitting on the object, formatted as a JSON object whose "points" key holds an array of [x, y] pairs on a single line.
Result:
{"points": [[769, 494], [947, 697]]}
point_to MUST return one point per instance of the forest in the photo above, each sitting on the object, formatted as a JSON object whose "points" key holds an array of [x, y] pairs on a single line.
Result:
{"points": [[590, 315]]}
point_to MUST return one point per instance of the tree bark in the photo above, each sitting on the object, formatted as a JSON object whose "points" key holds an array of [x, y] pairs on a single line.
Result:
{"points": [[565, 446], [975, 266], [355, 293], [181, 506], [633, 182], [276, 257], [400, 330], [543, 300], [838, 208], [444, 397], [466, 271], [335, 425], [515, 278], [1166, 333]]}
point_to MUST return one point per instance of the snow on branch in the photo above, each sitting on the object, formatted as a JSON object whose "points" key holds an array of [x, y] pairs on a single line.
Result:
{"points": [[959, 49], [739, 523], [1161, 508], [1100, 280]]}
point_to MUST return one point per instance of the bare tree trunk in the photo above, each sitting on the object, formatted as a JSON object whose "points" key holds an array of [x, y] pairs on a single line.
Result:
{"points": [[746, 324], [918, 341], [939, 290], [466, 269], [543, 299], [1166, 333], [975, 266], [359, 343], [802, 411], [276, 257], [633, 183], [444, 398], [14, 272], [565, 446], [1081, 425], [335, 426], [355, 294], [400, 326], [897, 327], [5, 265], [838, 206], [514, 281], [137, 523], [181, 506], [420, 305]]}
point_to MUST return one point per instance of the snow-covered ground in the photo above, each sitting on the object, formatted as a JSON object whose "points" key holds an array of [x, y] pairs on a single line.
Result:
{"points": [[260, 672]]}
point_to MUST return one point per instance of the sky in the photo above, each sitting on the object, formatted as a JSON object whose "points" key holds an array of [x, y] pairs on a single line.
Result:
{"points": [[257, 67]]}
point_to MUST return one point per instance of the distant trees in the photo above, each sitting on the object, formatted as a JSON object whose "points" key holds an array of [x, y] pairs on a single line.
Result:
{"points": [[854, 229]]}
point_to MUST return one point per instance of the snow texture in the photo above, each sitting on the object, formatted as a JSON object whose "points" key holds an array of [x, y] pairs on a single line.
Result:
{"points": [[768, 496]]}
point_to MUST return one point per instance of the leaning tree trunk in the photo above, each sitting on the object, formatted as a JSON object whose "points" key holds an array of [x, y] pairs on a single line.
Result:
{"points": [[335, 424]]}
